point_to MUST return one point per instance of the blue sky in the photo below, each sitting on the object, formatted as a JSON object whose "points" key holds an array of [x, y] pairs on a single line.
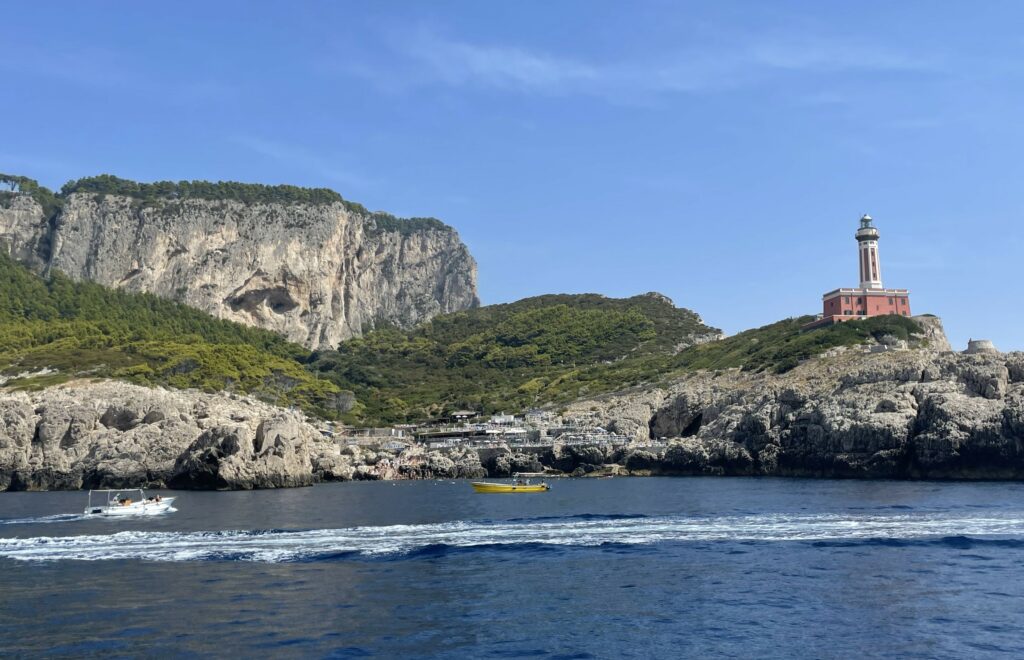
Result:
{"points": [[718, 152]]}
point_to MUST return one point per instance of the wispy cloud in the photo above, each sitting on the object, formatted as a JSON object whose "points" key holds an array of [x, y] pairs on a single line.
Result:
{"points": [[831, 54], [424, 57], [461, 63], [302, 158]]}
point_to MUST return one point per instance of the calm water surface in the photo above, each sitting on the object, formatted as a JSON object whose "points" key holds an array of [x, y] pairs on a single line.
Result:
{"points": [[594, 568]]}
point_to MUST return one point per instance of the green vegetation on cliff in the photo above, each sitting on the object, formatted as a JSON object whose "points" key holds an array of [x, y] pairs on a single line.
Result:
{"points": [[553, 349], [781, 346], [84, 329], [385, 222], [247, 193], [508, 356], [45, 197]]}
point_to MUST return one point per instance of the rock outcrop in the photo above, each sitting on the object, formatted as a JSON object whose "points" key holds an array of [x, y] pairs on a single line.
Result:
{"points": [[315, 273], [111, 434], [901, 414]]}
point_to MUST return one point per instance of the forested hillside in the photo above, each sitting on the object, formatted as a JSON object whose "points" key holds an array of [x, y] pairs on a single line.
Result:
{"points": [[508, 357], [55, 329], [553, 349]]}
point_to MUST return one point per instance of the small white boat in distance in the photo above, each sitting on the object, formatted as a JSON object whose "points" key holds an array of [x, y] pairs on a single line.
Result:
{"points": [[127, 502]]}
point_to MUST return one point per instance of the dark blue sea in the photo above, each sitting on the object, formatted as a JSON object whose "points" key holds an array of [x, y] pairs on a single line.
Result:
{"points": [[593, 569]]}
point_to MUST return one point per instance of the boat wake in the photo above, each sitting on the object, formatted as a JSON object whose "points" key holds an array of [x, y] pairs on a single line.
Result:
{"points": [[75, 517], [42, 520], [431, 540]]}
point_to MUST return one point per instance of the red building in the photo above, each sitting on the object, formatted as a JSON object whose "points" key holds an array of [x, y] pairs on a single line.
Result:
{"points": [[870, 299]]}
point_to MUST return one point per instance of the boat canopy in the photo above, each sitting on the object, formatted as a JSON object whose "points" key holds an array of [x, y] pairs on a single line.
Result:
{"points": [[115, 492]]}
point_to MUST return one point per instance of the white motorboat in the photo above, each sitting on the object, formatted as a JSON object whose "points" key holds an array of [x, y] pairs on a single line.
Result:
{"points": [[127, 502]]}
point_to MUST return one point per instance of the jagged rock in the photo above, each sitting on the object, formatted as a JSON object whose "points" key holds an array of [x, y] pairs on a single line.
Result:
{"points": [[1015, 367], [525, 463], [906, 414], [154, 416], [715, 457], [456, 463], [333, 467], [316, 274], [934, 333], [112, 434], [568, 458], [120, 417], [632, 413], [506, 464], [277, 455], [641, 459]]}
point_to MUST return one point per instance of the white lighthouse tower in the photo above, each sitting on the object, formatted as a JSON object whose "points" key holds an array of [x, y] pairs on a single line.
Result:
{"points": [[867, 247]]}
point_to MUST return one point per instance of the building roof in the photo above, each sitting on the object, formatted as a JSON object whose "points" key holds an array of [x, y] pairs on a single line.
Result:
{"points": [[866, 292]]}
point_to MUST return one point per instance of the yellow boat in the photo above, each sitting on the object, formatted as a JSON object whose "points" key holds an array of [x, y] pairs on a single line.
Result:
{"points": [[517, 486]]}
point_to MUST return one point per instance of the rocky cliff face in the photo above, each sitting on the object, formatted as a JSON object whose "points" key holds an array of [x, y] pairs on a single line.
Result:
{"points": [[901, 414], [315, 273], [116, 435], [110, 434]]}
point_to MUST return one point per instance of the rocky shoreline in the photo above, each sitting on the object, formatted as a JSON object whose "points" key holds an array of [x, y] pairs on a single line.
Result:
{"points": [[892, 415], [906, 414]]}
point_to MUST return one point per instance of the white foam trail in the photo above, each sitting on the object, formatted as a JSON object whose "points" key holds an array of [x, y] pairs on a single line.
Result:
{"points": [[74, 517], [276, 546], [36, 520]]}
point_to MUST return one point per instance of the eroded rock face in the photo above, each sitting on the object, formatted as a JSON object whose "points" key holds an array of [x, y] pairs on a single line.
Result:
{"points": [[317, 274], [909, 414], [113, 435], [23, 231], [117, 435], [415, 462]]}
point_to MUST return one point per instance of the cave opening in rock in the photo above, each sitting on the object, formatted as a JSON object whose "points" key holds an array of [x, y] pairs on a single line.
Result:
{"points": [[694, 426]]}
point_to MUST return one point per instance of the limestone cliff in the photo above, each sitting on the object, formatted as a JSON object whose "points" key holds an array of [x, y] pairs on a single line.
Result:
{"points": [[316, 273]]}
